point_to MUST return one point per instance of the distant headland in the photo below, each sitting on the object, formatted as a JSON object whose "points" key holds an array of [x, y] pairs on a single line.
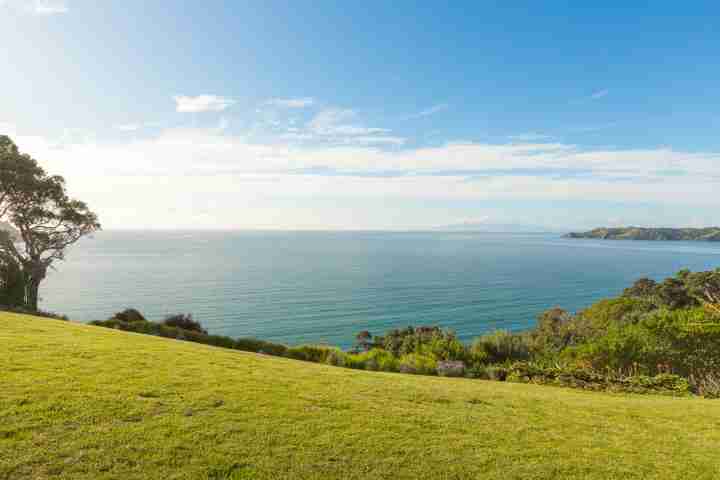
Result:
{"points": [[710, 234]]}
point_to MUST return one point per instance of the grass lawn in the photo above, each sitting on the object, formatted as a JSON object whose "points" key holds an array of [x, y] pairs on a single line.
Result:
{"points": [[82, 402]]}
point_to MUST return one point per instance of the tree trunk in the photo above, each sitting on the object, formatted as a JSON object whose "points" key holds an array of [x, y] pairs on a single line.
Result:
{"points": [[34, 274], [33, 287]]}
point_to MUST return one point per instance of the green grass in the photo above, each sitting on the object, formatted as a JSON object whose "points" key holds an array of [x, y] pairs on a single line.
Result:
{"points": [[81, 402]]}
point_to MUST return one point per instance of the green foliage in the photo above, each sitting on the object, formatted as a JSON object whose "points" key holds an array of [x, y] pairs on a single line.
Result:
{"points": [[568, 376], [12, 282], [336, 358], [129, 315], [501, 346], [184, 321], [310, 353], [260, 346], [418, 364]]}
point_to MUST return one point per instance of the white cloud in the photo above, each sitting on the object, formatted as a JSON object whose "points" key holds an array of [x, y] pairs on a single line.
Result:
{"points": [[8, 129], [338, 126], [202, 103], [44, 7], [134, 127], [530, 137], [428, 111], [130, 127], [329, 119], [36, 7], [292, 102], [217, 170]]}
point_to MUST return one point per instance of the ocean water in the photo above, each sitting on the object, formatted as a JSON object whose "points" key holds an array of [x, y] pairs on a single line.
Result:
{"points": [[301, 287]]}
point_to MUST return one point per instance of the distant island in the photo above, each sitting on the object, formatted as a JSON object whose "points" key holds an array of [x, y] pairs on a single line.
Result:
{"points": [[710, 234]]}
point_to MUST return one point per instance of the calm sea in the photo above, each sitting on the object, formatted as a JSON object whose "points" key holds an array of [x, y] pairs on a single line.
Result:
{"points": [[325, 286]]}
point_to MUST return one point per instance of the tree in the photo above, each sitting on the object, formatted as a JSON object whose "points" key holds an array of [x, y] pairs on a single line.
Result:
{"points": [[45, 217], [705, 287]]}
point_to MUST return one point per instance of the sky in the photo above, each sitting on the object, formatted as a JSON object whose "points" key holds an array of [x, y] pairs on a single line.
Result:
{"points": [[369, 115]]}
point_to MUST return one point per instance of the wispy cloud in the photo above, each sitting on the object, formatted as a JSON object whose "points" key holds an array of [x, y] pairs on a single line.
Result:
{"points": [[341, 126], [202, 103], [7, 129], [592, 128], [292, 102], [134, 127], [42, 7], [130, 127], [36, 7], [599, 94], [428, 111], [530, 137]]}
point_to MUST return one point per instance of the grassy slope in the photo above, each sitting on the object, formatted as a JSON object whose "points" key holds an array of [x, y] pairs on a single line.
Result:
{"points": [[84, 402]]}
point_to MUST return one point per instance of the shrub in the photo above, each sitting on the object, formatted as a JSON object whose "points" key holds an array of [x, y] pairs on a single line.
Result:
{"points": [[35, 313], [418, 364], [501, 346], [309, 353], [129, 315], [336, 358], [569, 376], [383, 361], [184, 321], [356, 361], [260, 346]]}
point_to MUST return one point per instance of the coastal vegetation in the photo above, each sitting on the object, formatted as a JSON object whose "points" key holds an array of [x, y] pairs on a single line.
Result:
{"points": [[657, 337], [39, 221], [80, 402], [711, 234]]}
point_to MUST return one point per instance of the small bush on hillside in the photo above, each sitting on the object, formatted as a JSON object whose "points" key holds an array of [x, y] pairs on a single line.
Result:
{"points": [[501, 346], [568, 376], [129, 315], [309, 353], [260, 346], [336, 358], [35, 313], [184, 321], [417, 364], [356, 361]]}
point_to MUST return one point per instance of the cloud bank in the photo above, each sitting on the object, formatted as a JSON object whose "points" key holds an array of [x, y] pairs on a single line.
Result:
{"points": [[202, 103]]}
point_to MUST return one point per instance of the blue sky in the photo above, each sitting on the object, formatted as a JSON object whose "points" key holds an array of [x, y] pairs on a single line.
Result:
{"points": [[369, 115]]}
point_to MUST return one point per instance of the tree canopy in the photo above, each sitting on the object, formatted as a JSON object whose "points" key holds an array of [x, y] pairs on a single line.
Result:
{"points": [[47, 220]]}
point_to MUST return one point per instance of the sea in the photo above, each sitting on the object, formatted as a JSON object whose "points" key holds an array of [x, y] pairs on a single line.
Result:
{"points": [[324, 287]]}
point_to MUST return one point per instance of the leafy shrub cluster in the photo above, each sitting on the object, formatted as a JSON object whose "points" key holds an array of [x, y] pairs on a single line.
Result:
{"points": [[569, 376], [35, 313], [131, 320]]}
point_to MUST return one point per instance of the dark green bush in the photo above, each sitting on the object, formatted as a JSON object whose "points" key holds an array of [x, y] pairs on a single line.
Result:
{"points": [[501, 346], [309, 353], [35, 313], [568, 376], [260, 346], [129, 315], [418, 364], [184, 321]]}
